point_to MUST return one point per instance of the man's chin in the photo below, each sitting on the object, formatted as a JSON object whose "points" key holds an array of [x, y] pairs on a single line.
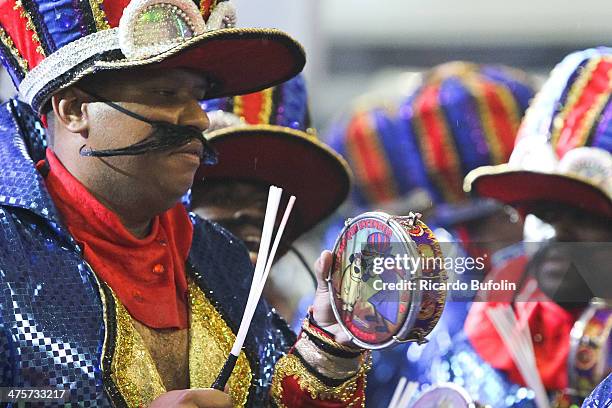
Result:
{"points": [[175, 188]]}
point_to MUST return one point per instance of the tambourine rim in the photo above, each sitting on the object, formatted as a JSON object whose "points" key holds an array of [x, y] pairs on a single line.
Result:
{"points": [[577, 333], [415, 301]]}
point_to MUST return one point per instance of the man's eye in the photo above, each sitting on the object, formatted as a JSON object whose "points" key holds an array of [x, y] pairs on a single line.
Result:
{"points": [[200, 93], [165, 92]]}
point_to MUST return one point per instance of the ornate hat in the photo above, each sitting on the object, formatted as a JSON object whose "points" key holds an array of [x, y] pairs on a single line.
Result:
{"points": [[266, 136], [460, 117], [47, 45], [377, 244], [563, 150]]}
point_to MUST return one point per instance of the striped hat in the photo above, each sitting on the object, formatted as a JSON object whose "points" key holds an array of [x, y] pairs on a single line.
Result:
{"points": [[267, 137], [460, 117], [47, 45], [563, 150]]}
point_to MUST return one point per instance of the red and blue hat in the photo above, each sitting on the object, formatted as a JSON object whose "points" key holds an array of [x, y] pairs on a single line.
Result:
{"points": [[563, 150], [377, 243], [461, 116], [47, 45], [267, 137]]}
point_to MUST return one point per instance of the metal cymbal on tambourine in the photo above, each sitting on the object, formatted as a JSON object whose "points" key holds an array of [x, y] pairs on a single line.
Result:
{"points": [[383, 280]]}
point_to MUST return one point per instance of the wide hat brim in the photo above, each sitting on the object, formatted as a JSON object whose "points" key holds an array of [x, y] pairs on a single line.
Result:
{"points": [[237, 60], [525, 189], [288, 158]]}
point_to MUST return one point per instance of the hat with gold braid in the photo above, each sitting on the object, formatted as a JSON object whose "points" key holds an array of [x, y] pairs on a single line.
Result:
{"points": [[49, 44], [563, 152], [460, 117], [266, 137]]}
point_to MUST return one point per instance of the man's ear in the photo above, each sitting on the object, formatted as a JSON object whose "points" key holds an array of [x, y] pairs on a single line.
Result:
{"points": [[70, 108]]}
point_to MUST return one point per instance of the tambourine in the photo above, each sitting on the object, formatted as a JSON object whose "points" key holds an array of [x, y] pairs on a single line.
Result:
{"points": [[590, 360], [385, 280], [446, 395]]}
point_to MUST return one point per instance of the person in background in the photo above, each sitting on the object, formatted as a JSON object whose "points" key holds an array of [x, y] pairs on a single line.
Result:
{"points": [[560, 170], [414, 158], [266, 139]]}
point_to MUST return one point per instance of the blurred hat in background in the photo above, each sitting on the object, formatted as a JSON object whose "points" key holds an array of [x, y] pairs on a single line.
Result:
{"points": [[267, 137], [563, 150], [461, 116]]}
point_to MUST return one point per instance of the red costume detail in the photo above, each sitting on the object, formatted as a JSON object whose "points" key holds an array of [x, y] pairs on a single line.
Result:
{"points": [[14, 24], [550, 327], [147, 275]]}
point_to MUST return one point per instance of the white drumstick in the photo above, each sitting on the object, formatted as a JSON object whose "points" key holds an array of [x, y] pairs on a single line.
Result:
{"points": [[274, 196], [265, 259], [399, 389]]}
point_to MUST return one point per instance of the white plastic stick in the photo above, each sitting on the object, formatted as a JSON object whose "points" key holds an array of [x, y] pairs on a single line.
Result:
{"points": [[521, 350], [274, 195], [399, 389], [407, 395], [277, 239], [508, 329], [524, 346]]}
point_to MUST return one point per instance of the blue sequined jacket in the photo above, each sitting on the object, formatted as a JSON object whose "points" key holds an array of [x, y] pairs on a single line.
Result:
{"points": [[57, 320], [601, 396]]}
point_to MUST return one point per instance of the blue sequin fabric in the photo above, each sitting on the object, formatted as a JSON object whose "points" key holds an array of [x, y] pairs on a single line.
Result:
{"points": [[445, 358], [52, 317], [601, 397]]}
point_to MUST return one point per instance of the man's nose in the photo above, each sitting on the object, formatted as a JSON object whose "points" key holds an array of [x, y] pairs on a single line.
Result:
{"points": [[194, 115]]}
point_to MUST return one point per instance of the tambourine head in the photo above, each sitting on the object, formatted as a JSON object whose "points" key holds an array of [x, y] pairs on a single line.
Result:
{"points": [[371, 294], [444, 396]]}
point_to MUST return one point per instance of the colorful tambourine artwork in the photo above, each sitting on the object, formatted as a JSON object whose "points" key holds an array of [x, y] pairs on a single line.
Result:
{"points": [[590, 360], [446, 395], [385, 280]]}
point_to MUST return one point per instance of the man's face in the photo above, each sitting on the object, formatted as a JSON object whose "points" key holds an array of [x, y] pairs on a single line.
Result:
{"points": [[576, 264], [170, 95], [489, 234], [239, 206]]}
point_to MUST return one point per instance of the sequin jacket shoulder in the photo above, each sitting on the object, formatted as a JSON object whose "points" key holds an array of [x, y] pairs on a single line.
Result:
{"points": [[601, 396], [53, 315]]}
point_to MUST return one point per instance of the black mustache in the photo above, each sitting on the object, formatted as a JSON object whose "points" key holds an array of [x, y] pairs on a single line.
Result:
{"points": [[164, 136]]}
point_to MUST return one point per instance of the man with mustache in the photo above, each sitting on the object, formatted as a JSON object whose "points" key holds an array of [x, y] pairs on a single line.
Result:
{"points": [[109, 290], [265, 139]]}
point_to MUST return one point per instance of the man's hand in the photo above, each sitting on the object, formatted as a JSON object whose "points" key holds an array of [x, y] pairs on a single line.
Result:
{"points": [[322, 310], [196, 398]]}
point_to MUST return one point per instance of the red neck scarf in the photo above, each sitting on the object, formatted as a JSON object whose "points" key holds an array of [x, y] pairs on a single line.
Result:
{"points": [[550, 327], [147, 275]]}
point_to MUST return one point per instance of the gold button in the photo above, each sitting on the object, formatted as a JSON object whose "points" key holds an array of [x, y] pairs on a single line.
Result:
{"points": [[158, 269]]}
